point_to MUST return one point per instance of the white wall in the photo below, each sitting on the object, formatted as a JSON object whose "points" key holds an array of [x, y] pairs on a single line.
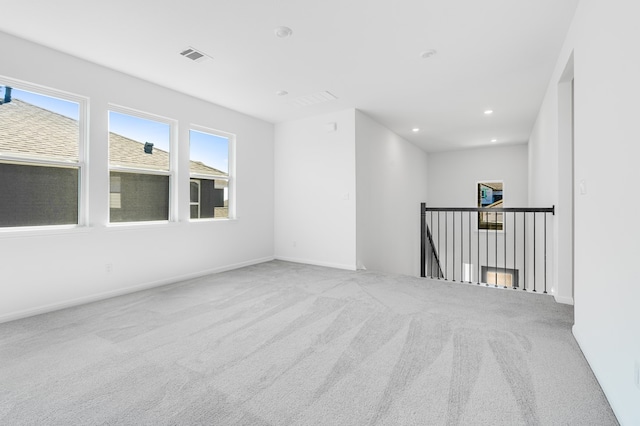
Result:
{"points": [[603, 38], [453, 175], [452, 182], [44, 270], [315, 190], [391, 184]]}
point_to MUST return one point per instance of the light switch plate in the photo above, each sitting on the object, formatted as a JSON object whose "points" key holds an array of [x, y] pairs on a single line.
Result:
{"points": [[582, 186]]}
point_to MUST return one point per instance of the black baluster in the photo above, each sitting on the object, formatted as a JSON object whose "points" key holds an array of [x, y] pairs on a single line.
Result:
{"points": [[534, 252], [454, 244], [495, 223], [470, 262], [504, 246], [515, 251], [545, 253], [478, 252], [461, 249], [433, 249], [423, 245], [439, 251], [486, 251], [446, 244], [524, 267]]}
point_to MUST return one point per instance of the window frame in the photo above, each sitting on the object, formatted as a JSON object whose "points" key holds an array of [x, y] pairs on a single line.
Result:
{"points": [[171, 172], [230, 178], [197, 203], [514, 273], [38, 161], [479, 222]]}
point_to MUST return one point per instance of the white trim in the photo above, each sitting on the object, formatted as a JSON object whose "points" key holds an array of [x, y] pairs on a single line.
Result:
{"points": [[83, 159], [42, 90], [231, 185], [317, 263], [208, 177], [36, 161], [119, 292], [231, 165], [587, 353], [563, 300], [141, 114], [191, 203], [173, 159], [41, 231], [135, 170], [83, 145], [139, 224], [203, 129]]}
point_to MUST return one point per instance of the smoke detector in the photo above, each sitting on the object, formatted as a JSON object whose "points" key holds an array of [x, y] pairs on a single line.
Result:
{"points": [[283, 32], [428, 53]]}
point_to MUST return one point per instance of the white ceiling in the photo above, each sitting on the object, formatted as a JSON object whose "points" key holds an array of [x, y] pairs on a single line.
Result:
{"points": [[491, 54]]}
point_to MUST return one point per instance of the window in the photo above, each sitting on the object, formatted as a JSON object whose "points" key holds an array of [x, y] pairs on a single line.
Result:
{"points": [[505, 277], [194, 200], [41, 156], [490, 195], [209, 170], [140, 167]]}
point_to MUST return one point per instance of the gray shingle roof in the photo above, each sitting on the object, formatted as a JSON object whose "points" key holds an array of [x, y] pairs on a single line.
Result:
{"points": [[29, 130]]}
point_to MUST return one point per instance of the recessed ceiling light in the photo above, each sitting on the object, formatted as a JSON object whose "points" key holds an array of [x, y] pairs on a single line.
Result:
{"points": [[415, 130], [488, 112], [494, 140], [283, 32], [428, 53], [282, 93]]}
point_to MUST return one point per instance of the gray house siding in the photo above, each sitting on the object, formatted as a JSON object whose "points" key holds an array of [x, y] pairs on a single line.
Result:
{"points": [[142, 197], [38, 195]]}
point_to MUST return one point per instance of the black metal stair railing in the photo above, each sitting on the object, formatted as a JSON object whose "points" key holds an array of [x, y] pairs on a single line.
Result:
{"points": [[505, 247], [430, 260]]}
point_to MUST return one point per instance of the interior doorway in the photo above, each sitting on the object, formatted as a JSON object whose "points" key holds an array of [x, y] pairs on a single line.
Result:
{"points": [[566, 183]]}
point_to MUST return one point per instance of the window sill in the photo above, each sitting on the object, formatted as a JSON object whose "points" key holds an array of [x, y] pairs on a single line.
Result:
{"points": [[140, 225], [42, 231], [53, 230], [491, 231], [213, 220]]}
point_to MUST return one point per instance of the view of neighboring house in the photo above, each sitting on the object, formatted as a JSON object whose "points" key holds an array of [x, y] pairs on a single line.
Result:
{"points": [[490, 195], [30, 131]]}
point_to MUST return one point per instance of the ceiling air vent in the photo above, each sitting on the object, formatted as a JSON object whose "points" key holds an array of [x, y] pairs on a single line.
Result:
{"points": [[313, 99], [194, 55]]}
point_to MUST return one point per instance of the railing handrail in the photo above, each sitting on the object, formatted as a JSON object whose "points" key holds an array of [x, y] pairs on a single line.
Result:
{"points": [[505, 233], [493, 209], [434, 253]]}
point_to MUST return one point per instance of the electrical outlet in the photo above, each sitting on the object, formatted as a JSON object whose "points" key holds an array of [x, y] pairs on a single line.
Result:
{"points": [[108, 268]]}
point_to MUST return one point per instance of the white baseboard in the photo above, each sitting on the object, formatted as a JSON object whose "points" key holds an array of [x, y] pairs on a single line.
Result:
{"points": [[127, 290], [565, 300], [586, 352], [316, 263]]}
